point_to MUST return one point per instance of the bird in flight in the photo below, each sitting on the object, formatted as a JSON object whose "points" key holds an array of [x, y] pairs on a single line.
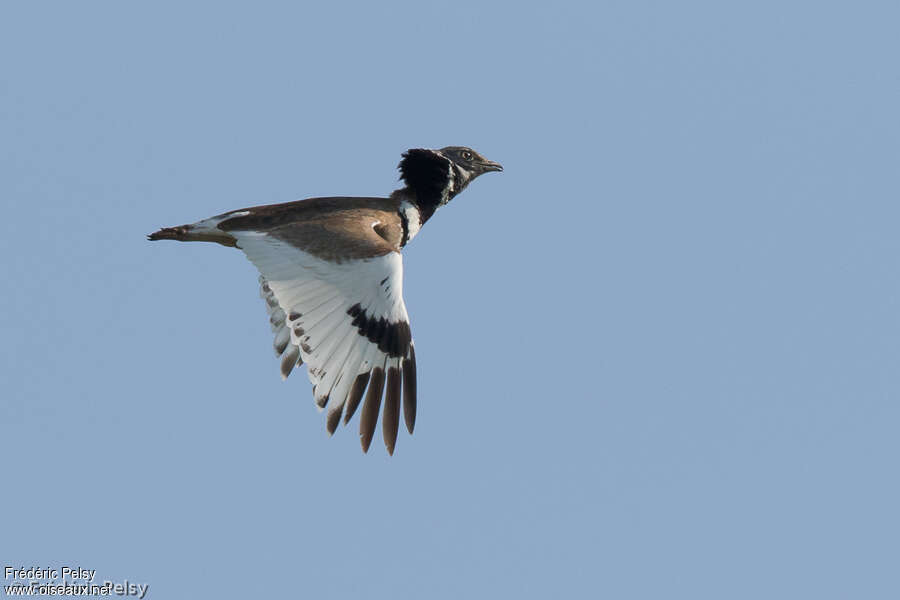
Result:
{"points": [[331, 275]]}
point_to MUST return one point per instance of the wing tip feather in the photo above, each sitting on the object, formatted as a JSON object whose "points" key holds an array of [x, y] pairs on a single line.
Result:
{"points": [[371, 406], [410, 390], [333, 419], [290, 360], [356, 394], [390, 420]]}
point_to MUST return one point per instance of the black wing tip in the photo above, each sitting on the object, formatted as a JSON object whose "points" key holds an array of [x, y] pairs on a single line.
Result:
{"points": [[333, 419], [390, 420], [289, 360], [369, 418], [409, 390], [356, 394]]}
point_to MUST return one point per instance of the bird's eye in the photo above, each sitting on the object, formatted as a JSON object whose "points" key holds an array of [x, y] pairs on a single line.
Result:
{"points": [[466, 155]]}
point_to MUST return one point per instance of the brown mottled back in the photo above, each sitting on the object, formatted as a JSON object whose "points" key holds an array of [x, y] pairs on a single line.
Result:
{"points": [[335, 228]]}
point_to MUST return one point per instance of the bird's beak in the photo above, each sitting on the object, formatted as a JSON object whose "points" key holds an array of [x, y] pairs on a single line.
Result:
{"points": [[490, 165]]}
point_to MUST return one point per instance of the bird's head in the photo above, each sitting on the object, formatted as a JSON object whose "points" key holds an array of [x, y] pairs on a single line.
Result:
{"points": [[468, 164]]}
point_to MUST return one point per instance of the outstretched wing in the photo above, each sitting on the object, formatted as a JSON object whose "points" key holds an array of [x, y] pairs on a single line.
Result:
{"points": [[347, 321]]}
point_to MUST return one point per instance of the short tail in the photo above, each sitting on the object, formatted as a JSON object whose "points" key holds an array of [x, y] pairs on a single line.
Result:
{"points": [[193, 233], [179, 233]]}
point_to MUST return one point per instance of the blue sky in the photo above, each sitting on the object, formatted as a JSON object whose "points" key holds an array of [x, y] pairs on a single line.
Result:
{"points": [[658, 354]]}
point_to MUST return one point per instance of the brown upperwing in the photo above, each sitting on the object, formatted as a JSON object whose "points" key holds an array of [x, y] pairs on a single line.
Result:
{"points": [[334, 229]]}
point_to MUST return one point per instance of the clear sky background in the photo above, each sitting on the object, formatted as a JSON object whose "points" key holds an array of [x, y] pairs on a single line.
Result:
{"points": [[658, 355]]}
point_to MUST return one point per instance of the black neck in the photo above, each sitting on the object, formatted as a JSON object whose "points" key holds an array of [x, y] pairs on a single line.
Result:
{"points": [[429, 180]]}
